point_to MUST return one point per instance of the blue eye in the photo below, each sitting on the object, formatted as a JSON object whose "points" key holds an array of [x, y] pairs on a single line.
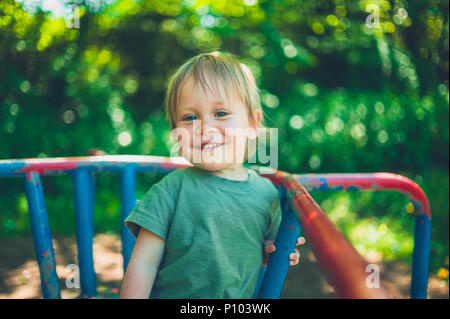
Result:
{"points": [[189, 118], [221, 113]]}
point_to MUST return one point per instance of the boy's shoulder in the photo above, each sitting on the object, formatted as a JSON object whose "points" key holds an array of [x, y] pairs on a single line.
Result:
{"points": [[263, 183], [176, 174], [172, 180]]}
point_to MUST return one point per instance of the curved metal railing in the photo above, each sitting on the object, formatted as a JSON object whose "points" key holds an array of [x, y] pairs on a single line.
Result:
{"points": [[340, 262]]}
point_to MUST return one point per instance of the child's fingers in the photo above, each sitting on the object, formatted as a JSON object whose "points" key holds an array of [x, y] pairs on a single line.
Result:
{"points": [[300, 241], [295, 255], [270, 241], [294, 258], [269, 248]]}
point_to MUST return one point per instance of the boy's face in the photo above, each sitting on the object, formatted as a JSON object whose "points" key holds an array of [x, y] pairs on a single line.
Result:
{"points": [[212, 131]]}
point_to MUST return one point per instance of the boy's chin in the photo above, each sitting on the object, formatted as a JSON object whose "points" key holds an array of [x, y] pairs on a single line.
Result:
{"points": [[210, 163], [212, 167], [215, 166]]}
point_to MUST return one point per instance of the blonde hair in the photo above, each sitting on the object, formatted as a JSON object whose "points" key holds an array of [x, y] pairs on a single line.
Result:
{"points": [[214, 71]]}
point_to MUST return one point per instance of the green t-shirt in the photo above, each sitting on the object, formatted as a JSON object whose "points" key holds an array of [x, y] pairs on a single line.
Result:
{"points": [[214, 230]]}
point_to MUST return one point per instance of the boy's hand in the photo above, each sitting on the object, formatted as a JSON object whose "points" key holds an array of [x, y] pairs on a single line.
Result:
{"points": [[269, 248]]}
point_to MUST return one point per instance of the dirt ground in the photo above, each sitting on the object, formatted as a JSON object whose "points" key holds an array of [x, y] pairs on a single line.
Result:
{"points": [[19, 272]]}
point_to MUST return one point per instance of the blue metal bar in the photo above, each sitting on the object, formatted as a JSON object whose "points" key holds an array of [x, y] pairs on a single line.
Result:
{"points": [[421, 256], [42, 237], [285, 242], [84, 230], [262, 273], [128, 198], [92, 199]]}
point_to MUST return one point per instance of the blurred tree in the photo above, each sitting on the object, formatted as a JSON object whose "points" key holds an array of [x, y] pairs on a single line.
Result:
{"points": [[353, 86]]}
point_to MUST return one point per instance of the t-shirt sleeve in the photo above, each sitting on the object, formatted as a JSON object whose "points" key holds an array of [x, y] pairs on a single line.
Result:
{"points": [[274, 220], [153, 212]]}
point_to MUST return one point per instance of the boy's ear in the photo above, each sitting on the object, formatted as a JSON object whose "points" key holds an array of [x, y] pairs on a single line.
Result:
{"points": [[255, 124], [258, 117]]}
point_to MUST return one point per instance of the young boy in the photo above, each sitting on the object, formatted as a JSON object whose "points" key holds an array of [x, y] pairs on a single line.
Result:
{"points": [[201, 230]]}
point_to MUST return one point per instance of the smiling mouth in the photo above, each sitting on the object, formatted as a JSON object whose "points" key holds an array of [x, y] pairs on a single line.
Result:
{"points": [[210, 146]]}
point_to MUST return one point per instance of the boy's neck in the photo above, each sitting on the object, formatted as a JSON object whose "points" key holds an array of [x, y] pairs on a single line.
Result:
{"points": [[236, 173]]}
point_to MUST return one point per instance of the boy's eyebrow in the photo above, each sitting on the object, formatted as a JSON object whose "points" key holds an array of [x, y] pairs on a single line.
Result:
{"points": [[189, 107], [184, 108]]}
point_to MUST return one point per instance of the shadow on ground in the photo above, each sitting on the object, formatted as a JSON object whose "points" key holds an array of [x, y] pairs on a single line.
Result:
{"points": [[19, 272]]}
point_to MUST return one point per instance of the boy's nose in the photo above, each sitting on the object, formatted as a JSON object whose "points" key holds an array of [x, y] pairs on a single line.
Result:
{"points": [[202, 127], [211, 134], [207, 131]]}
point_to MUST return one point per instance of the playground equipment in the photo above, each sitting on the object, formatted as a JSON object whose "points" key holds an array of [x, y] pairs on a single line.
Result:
{"points": [[343, 266]]}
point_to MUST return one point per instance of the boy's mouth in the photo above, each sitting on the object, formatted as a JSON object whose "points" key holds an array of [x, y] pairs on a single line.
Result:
{"points": [[210, 146]]}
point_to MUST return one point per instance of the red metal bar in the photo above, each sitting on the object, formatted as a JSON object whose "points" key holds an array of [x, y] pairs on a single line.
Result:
{"points": [[340, 262], [369, 181]]}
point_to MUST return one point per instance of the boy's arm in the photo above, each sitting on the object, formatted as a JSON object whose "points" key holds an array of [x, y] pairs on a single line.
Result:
{"points": [[143, 266]]}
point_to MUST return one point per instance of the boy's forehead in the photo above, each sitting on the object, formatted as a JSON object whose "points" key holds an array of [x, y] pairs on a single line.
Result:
{"points": [[215, 102], [193, 94]]}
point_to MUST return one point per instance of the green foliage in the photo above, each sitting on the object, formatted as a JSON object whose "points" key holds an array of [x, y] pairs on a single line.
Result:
{"points": [[346, 94]]}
